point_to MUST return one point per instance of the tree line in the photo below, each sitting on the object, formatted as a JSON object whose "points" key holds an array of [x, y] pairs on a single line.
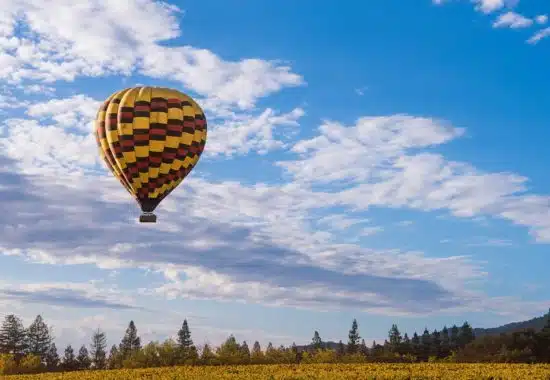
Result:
{"points": [[32, 349]]}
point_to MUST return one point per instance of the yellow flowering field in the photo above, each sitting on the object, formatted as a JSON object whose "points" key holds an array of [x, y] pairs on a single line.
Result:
{"points": [[315, 371]]}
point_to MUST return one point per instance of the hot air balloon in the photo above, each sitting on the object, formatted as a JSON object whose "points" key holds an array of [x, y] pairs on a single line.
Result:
{"points": [[150, 138]]}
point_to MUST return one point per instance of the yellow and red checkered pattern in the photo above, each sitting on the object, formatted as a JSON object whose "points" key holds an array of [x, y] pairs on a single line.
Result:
{"points": [[150, 138]]}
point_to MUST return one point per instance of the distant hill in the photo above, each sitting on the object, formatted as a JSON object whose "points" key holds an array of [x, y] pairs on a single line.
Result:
{"points": [[535, 323]]}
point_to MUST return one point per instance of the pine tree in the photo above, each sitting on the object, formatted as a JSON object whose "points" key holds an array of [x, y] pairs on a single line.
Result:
{"points": [[435, 349], [184, 336], [52, 358], [13, 337], [406, 347], [316, 341], [83, 359], [245, 352], [453, 338], [445, 342], [185, 343], [353, 338], [363, 348], [130, 342], [38, 338], [112, 362], [97, 352], [394, 339], [425, 344], [257, 356], [69, 362], [466, 334], [415, 345]]}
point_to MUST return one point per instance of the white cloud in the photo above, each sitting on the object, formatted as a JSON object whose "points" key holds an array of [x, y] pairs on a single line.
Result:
{"points": [[357, 154], [512, 20], [538, 36], [48, 148], [489, 6], [381, 164], [65, 41], [541, 19], [246, 133], [77, 111]]}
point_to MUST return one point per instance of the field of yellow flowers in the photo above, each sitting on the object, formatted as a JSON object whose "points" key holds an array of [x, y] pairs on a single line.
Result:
{"points": [[314, 371]]}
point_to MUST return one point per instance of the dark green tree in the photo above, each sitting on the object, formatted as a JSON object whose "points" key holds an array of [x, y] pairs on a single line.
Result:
{"points": [[83, 359], [466, 334], [316, 342], [353, 338], [184, 336], [98, 349], [453, 338], [38, 338], [113, 360], [406, 347], [415, 345], [187, 349], [245, 351], [52, 358], [13, 337], [69, 361], [542, 338], [426, 345], [394, 339], [130, 341], [435, 349], [445, 342]]}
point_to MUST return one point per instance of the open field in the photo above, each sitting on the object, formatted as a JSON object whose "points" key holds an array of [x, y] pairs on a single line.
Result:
{"points": [[316, 371]]}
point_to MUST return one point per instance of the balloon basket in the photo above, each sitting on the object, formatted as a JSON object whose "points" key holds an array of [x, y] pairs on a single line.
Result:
{"points": [[148, 218]]}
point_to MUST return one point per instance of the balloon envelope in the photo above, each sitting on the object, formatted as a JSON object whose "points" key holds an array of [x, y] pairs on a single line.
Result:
{"points": [[150, 138]]}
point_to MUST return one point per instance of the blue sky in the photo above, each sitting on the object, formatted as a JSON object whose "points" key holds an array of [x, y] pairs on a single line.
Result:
{"points": [[385, 161]]}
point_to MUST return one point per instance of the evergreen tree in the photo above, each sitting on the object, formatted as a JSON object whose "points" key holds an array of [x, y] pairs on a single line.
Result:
{"points": [[69, 362], [425, 344], [52, 358], [415, 345], [466, 334], [406, 347], [256, 356], [445, 342], [245, 351], [13, 337], [256, 348], [363, 348], [184, 336], [435, 349], [131, 341], [453, 338], [542, 342], [112, 361], [98, 350], [83, 359], [316, 341], [185, 343], [353, 338], [394, 339], [38, 338]]}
